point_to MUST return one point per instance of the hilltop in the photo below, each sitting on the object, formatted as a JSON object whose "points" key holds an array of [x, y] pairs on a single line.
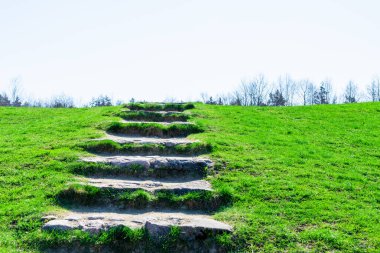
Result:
{"points": [[300, 178]]}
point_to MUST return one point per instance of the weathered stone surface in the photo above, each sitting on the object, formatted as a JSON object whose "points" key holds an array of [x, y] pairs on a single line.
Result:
{"points": [[192, 225], [158, 122], [176, 186], [61, 225], [153, 162], [48, 218], [169, 142], [190, 229]]}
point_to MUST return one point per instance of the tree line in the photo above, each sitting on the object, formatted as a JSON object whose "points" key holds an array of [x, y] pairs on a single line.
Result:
{"points": [[60, 101], [286, 91], [258, 91], [14, 98]]}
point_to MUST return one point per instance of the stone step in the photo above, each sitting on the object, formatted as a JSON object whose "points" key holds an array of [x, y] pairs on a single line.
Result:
{"points": [[179, 107], [157, 122], [82, 194], [158, 112], [177, 186], [117, 145], [121, 139], [144, 166], [144, 129], [192, 225], [157, 116], [153, 162]]}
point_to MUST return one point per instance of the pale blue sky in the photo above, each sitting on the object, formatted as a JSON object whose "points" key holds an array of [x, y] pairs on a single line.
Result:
{"points": [[154, 49]]}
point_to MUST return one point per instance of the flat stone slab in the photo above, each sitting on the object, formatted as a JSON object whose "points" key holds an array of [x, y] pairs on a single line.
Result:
{"points": [[157, 224], [153, 162], [158, 122], [169, 142], [177, 186]]}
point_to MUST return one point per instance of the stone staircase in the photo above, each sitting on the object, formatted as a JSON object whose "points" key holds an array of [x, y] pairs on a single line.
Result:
{"points": [[162, 192]]}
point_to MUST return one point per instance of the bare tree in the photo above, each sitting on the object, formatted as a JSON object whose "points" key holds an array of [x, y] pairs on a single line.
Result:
{"points": [[244, 93], [236, 98], [325, 91], [251, 94], [287, 91], [373, 90], [254, 91], [230, 98], [61, 101], [221, 99], [304, 87], [351, 93], [288, 87], [261, 89], [225, 99], [211, 101], [170, 100], [30, 102], [15, 92], [312, 89], [204, 97]]}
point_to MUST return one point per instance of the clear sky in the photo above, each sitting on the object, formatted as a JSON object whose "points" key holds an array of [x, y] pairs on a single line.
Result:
{"points": [[156, 49]]}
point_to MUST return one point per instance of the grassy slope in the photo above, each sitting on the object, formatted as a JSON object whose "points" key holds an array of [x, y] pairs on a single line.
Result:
{"points": [[35, 147], [305, 178]]}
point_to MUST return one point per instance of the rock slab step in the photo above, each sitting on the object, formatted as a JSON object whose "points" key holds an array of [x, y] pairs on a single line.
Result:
{"points": [[176, 186], [169, 142], [157, 224], [157, 122], [153, 162]]}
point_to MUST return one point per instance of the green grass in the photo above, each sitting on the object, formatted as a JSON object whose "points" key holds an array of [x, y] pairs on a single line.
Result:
{"points": [[120, 239], [303, 179], [85, 195], [111, 147], [160, 107], [153, 129], [153, 116], [37, 147]]}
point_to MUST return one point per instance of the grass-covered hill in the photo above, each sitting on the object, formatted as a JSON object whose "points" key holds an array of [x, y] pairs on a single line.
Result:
{"points": [[303, 179]]}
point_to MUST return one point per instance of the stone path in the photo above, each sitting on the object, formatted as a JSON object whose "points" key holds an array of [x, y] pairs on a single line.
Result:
{"points": [[182, 175]]}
